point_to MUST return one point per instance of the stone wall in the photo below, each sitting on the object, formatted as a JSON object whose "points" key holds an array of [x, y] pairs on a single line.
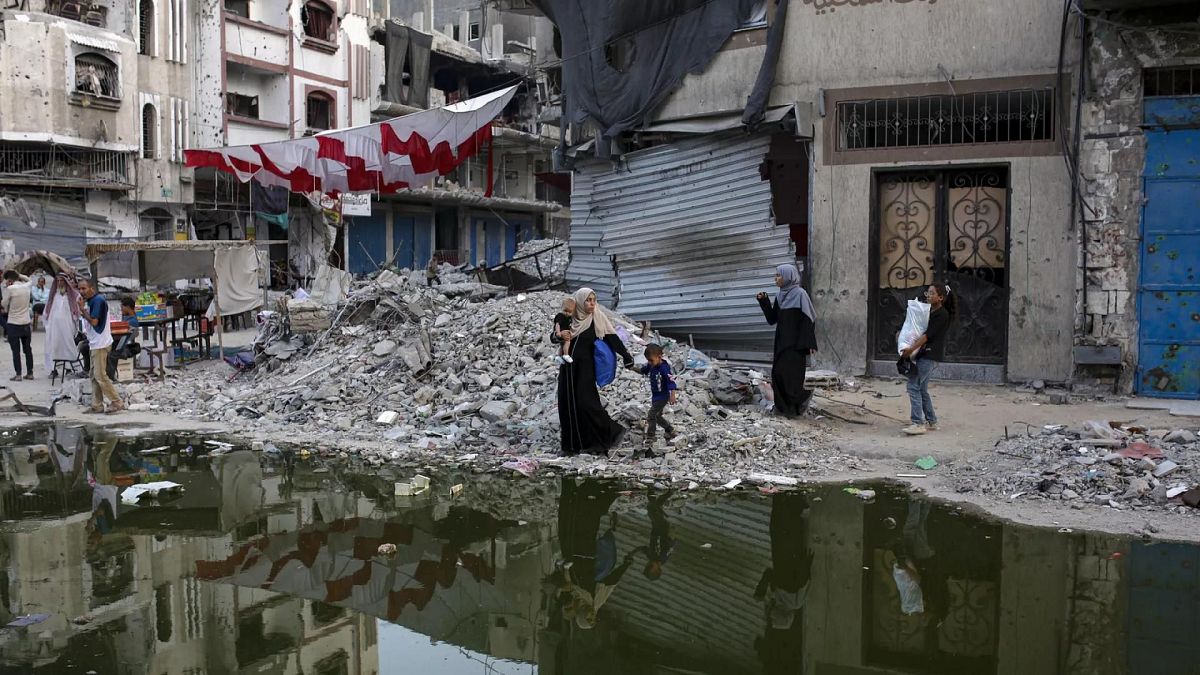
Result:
{"points": [[1112, 154]]}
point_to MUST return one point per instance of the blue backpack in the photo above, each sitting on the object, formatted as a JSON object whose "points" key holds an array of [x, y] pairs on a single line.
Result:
{"points": [[606, 364]]}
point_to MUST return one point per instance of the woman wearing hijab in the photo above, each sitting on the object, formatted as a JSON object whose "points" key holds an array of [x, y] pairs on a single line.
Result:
{"points": [[586, 427], [795, 338], [61, 317]]}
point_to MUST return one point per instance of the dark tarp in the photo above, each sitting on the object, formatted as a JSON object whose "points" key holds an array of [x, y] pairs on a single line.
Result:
{"points": [[756, 103], [656, 43], [407, 46]]}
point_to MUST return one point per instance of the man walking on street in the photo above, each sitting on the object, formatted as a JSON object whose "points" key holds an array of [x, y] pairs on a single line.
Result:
{"points": [[19, 329], [94, 309]]}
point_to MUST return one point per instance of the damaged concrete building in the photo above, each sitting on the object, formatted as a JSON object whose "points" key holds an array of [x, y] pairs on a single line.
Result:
{"points": [[727, 137], [1138, 171], [93, 122], [479, 213]]}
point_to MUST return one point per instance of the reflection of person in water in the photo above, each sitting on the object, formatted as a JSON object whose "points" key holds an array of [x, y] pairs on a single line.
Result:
{"points": [[590, 572], [658, 551], [784, 586]]}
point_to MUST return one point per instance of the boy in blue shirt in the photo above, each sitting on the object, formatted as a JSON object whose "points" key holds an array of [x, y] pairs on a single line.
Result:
{"points": [[662, 391]]}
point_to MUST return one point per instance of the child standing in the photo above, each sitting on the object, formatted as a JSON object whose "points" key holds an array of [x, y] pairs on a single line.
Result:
{"points": [[562, 322], [662, 391]]}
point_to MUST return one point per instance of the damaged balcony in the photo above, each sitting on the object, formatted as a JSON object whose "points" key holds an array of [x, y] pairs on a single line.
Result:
{"points": [[63, 166]]}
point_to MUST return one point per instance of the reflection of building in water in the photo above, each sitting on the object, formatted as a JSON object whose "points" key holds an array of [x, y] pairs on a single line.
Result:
{"points": [[120, 599]]}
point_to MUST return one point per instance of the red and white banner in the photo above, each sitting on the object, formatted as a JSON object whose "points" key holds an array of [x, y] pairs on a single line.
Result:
{"points": [[404, 152]]}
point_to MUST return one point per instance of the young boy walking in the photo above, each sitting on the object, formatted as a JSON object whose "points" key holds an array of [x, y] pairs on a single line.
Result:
{"points": [[662, 391]]}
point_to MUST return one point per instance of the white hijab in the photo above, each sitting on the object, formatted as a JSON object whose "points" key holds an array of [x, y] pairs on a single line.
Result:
{"points": [[582, 319]]}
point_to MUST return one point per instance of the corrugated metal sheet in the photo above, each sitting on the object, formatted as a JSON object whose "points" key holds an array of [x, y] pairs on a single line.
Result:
{"points": [[590, 265], [700, 590], [689, 225], [59, 228]]}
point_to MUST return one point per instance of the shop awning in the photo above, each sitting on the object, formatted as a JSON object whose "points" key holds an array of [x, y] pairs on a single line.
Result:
{"points": [[404, 152]]}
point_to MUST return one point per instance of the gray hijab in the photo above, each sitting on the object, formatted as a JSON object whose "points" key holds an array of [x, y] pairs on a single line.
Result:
{"points": [[791, 295]]}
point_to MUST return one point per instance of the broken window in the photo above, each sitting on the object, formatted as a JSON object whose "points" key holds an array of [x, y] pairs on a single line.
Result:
{"points": [[474, 34], [318, 21], [318, 108], [146, 27], [149, 138], [96, 75], [1022, 115], [241, 105], [238, 7]]}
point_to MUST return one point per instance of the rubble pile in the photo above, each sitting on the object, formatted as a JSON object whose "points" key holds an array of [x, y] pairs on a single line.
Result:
{"points": [[462, 370], [1099, 463], [550, 263]]}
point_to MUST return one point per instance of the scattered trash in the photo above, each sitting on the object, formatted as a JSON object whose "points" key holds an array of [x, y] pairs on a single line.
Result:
{"points": [[705, 546], [926, 463], [27, 620], [1139, 450], [732, 484], [524, 466], [388, 550], [1064, 530], [456, 490], [865, 495], [911, 475], [155, 490], [388, 417]]}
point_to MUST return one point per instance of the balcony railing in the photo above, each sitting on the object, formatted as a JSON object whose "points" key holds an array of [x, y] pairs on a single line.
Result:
{"points": [[61, 166]]}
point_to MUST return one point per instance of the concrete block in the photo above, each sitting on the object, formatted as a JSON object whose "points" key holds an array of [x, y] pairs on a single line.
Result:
{"points": [[497, 411]]}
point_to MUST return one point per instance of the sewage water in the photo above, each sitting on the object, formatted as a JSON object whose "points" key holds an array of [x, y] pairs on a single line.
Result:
{"points": [[277, 563]]}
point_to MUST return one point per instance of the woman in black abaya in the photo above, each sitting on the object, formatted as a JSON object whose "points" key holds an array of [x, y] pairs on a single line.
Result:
{"points": [[795, 338], [586, 427]]}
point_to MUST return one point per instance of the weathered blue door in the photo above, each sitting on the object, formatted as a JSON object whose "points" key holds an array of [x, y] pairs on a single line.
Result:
{"points": [[368, 243], [403, 233], [493, 242], [1169, 285]]}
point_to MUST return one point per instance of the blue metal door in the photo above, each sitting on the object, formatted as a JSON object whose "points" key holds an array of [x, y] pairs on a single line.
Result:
{"points": [[423, 235], [1168, 297], [368, 243], [403, 232], [493, 242]]}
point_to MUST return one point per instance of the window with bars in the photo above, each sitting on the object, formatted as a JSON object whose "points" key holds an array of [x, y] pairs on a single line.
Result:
{"points": [[149, 138], [1184, 81], [146, 27], [1014, 116], [318, 110], [241, 105], [96, 75], [318, 21]]}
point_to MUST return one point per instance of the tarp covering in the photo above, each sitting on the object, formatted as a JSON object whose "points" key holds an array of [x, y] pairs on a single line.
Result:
{"points": [[654, 45], [406, 45], [408, 151]]}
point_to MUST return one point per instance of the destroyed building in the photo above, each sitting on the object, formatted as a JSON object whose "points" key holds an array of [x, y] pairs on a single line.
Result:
{"points": [[267, 72], [504, 195], [716, 141], [93, 122]]}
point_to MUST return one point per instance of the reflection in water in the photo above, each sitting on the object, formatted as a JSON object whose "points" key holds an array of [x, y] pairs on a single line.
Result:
{"points": [[269, 564]]}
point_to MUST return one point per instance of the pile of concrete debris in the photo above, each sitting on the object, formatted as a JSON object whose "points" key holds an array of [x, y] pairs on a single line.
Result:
{"points": [[1112, 465], [464, 369], [543, 259]]}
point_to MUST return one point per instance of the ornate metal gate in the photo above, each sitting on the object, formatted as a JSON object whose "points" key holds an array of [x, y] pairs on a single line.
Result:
{"points": [[943, 226]]}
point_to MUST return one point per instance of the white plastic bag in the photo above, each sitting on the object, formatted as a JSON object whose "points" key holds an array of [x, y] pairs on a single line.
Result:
{"points": [[916, 320], [912, 600]]}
